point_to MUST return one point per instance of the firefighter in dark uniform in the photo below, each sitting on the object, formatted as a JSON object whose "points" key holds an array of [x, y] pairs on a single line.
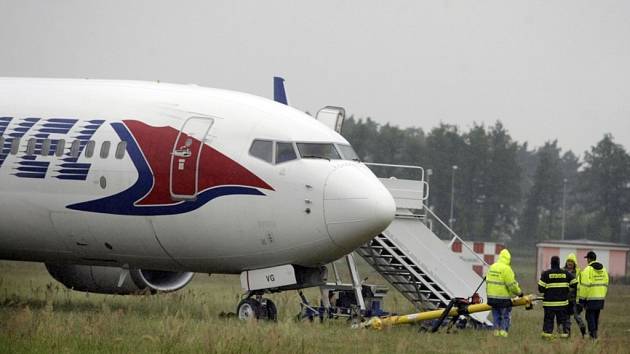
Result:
{"points": [[554, 283], [592, 291]]}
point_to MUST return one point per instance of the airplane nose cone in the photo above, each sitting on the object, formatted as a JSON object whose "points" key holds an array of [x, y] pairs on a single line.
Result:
{"points": [[357, 207]]}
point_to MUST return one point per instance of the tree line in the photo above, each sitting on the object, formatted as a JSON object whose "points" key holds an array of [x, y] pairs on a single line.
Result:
{"points": [[502, 189]]}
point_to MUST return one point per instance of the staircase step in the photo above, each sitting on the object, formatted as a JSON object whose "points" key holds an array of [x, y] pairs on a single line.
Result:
{"points": [[402, 269], [376, 247], [406, 283], [395, 273]]}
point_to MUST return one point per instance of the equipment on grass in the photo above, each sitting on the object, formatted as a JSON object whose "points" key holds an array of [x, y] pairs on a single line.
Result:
{"points": [[342, 303], [456, 308]]}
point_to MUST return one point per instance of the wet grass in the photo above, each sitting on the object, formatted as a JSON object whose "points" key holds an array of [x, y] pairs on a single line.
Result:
{"points": [[38, 315]]}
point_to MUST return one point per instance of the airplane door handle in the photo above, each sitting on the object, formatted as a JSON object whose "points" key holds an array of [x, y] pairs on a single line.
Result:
{"points": [[185, 152]]}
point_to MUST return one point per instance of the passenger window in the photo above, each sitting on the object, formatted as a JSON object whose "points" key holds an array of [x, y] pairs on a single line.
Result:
{"points": [[285, 152], [46, 147], [30, 146], [15, 146], [105, 149], [89, 148], [262, 149], [120, 150], [61, 146], [74, 149]]}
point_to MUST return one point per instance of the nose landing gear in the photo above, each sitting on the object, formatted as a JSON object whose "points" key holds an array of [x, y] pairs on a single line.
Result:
{"points": [[255, 307]]}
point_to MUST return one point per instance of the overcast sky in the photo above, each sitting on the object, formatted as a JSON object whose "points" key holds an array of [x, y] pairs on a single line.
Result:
{"points": [[547, 69]]}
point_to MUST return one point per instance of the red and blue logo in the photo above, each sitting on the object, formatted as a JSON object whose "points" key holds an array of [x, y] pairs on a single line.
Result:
{"points": [[150, 150], [45, 137]]}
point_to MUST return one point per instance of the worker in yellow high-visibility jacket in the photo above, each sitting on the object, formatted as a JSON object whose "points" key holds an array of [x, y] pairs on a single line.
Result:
{"points": [[574, 309], [592, 291], [501, 286]]}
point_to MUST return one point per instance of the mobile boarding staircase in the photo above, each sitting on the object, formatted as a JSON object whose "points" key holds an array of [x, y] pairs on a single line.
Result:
{"points": [[413, 259]]}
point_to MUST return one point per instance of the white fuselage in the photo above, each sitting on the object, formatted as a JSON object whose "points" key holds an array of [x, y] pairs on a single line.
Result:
{"points": [[183, 192]]}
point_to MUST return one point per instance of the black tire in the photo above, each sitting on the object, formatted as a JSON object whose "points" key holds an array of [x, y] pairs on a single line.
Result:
{"points": [[269, 310], [249, 309]]}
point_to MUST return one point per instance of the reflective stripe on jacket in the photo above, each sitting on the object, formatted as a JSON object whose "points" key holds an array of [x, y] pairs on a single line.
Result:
{"points": [[593, 282], [554, 283]]}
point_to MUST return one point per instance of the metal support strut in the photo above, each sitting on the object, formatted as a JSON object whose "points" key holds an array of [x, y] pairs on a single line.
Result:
{"points": [[356, 281]]}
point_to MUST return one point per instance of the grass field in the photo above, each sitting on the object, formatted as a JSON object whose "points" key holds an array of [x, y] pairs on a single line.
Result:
{"points": [[38, 315]]}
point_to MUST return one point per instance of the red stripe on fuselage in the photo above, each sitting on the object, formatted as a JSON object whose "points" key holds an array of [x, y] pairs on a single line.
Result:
{"points": [[215, 169]]}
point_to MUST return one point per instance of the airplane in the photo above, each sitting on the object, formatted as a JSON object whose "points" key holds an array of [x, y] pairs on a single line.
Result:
{"points": [[127, 187]]}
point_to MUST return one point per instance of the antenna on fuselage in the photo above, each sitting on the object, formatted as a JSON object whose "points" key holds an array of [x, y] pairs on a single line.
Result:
{"points": [[279, 94]]}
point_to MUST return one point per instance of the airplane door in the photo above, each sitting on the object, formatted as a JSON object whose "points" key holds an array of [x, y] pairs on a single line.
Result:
{"points": [[332, 117], [185, 157]]}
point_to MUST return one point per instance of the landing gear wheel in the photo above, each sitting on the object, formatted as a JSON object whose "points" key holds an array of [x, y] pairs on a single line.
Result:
{"points": [[269, 310], [249, 309]]}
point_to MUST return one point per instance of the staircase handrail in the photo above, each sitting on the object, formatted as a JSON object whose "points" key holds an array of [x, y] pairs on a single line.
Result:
{"points": [[425, 185], [455, 235]]}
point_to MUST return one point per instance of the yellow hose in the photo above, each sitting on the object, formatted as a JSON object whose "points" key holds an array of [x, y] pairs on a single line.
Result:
{"points": [[379, 323]]}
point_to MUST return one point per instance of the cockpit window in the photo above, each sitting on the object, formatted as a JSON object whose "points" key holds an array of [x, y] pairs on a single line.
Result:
{"points": [[318, 151], [348, 153], [285, 152], [262, 149]]}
